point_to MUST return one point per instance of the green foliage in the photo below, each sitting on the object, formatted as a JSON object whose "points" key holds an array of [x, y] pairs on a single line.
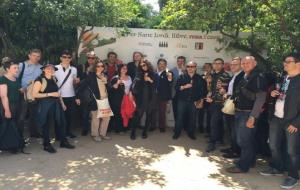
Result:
{"points": [[51, 25], [272, 27]]}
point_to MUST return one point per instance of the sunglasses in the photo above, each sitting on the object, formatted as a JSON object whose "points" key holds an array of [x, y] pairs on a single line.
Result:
{"points": [[190, 66], [91, 57], [66, 57]]}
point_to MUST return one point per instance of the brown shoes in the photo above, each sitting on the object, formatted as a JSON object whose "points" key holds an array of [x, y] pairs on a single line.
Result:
{"points": [[234, 170]]}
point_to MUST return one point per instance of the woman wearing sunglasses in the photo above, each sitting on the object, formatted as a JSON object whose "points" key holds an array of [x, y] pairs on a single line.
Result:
{"points": [[96, 84], [143, 90]]}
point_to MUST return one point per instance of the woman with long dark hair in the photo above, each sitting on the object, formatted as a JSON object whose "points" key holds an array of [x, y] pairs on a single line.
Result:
{"points": [[120, 86], [143, 90]]}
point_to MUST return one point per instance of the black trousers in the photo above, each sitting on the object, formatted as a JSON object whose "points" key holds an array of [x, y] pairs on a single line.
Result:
{"points": [[71, 105], [216, 123], [204, 113], [136, 120], [50, 110], [28, 109]]}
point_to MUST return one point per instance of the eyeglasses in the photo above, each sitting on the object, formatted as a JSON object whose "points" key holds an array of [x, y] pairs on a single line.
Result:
{"points": [[98, 66], [190, 66], [288, 62], [91, 58], [66, 57]]}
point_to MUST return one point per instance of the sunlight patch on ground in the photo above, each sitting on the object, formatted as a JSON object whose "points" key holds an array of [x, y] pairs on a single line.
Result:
{"points": [[180, 169]]}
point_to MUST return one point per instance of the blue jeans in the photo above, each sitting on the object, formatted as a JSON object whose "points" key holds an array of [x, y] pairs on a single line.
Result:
{"points": [[285, 148], [246, 141], [216, 123], [185, 108]]}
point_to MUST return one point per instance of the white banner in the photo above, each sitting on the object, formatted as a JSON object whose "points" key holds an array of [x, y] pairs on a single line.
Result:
{"points": [[154, 44]]}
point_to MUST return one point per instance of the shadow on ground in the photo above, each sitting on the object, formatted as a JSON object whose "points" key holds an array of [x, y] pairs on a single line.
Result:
{"points": [[155, 163]]}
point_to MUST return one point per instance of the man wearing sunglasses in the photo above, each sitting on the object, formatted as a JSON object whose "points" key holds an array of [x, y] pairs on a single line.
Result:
{"points": [[66, 76], [84, 69], [190, 89]]}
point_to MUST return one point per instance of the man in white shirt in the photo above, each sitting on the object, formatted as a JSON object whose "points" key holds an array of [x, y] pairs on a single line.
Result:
{"points": [[66, 76]]}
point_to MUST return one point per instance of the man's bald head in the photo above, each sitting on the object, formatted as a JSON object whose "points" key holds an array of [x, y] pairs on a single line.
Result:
{"points": [[248, 64]]}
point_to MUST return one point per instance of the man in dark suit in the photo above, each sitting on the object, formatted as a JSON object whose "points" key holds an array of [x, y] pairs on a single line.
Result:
{"points": [[177, 71], [236, 69], [164, 90]]}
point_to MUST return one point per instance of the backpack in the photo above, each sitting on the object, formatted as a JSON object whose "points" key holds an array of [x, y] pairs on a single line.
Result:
{"points": [[28, 95]]}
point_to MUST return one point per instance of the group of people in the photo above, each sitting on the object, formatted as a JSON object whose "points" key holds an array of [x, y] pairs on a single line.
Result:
{"points": [[264, 117]]}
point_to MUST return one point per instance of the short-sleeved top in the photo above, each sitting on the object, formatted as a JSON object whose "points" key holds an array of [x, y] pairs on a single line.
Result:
{"points": [[51, 84], [13, 89]]}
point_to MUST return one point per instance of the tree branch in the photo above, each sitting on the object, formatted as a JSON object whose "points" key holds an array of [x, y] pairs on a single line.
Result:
{"points": [[283, 25]]}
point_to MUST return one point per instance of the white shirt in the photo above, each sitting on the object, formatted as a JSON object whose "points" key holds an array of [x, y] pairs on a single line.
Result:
{"points": [[67, 90], [230, 86], [127, 84], [279, 106]]}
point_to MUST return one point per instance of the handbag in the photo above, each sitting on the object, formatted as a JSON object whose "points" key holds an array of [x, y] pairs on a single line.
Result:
{"points": [[229, 107], [103, 107]]}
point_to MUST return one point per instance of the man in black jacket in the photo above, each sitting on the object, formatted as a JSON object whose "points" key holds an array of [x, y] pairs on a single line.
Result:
{"points": [[190, 89], [220, 80], [250, 97], [285, 125], [164, 90], [236, 69]]}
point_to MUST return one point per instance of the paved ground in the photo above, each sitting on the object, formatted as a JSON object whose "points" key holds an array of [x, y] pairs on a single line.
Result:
{"points": [[155, 163]]}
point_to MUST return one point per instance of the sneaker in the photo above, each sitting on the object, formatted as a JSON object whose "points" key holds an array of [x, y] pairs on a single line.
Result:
{"points": [[271, 172], [144, 135], [106, 137], [191, 136], [97, 139], [162, 130], [84, 132], [211, 147], [132, 136], [176, 136], [71, 135], [289, 183], [49, 148], [231, 155], [234, 170], [226, 150], [66, 144]]}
